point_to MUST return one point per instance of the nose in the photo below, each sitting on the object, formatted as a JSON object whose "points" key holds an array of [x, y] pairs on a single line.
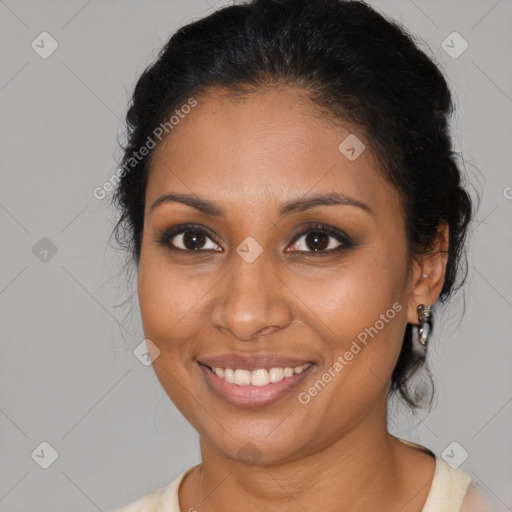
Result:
{"points": [[254, 301]]}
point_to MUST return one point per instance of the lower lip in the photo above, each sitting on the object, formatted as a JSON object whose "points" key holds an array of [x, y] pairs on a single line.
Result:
{"points": [[253, 396]]}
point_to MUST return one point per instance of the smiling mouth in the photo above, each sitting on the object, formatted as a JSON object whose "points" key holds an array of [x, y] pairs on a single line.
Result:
{"points": [[258, 377], [256, 388]]}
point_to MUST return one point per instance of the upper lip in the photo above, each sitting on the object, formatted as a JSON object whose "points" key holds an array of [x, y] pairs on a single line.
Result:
{"points": [[252, 361]]}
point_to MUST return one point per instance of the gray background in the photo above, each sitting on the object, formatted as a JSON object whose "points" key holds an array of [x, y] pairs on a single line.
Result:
{"points": [[68, 375]]}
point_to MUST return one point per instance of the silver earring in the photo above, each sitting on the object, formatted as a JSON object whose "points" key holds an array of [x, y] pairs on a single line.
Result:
{"points": [[425, 318]]}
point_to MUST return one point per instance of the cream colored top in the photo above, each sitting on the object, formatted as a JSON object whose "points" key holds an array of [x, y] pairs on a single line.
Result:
{"points": [[452, 490]]}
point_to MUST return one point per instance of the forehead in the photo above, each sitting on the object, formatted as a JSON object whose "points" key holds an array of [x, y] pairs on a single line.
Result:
{"points": [[262, 147]]}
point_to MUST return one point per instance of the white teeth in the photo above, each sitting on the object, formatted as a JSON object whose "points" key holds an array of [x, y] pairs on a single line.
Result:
{"points": [[242, 377], [276, 374], [259, 377], [288, 372]]}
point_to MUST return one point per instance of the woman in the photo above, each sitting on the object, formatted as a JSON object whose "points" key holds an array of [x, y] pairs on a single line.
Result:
{"points": [[291, 200]]}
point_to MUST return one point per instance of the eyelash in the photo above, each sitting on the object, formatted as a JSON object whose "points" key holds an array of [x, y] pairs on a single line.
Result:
{"points": [[345, 241]]}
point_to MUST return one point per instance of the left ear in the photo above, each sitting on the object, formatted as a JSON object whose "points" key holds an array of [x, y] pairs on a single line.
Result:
{"points": [[428, 275]]}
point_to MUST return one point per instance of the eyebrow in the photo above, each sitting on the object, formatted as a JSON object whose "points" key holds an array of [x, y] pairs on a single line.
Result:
{"points": [[295, 205]]}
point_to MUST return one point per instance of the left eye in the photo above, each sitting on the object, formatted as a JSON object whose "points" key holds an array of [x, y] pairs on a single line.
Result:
{"points": [[317, 241], [320, 240]]}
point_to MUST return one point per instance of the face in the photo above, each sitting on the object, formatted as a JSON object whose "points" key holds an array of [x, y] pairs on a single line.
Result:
{"points": [[242, 282]]}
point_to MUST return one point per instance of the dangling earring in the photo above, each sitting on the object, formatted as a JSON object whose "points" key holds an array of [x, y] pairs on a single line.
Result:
{"points": [[425, 318]]}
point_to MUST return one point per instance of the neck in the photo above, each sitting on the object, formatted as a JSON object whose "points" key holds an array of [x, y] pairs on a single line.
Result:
{"points": [[358, 470]]}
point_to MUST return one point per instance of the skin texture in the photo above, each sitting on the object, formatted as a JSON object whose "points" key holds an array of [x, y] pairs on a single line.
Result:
{"points": [[250, 154]]}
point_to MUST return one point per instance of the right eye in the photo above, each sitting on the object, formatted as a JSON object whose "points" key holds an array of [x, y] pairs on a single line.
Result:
{"points": [[189, 238]]}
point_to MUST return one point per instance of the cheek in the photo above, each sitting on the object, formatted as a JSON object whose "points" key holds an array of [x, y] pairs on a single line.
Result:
{"points": [[167, 311], [168, 298], [361, 313], [365, 331], [355, 299]]}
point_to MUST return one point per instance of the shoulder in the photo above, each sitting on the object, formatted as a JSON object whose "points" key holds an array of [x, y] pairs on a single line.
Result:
{"points": [[453, 490], [150, 502], [163, 498], [477, 499]]}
